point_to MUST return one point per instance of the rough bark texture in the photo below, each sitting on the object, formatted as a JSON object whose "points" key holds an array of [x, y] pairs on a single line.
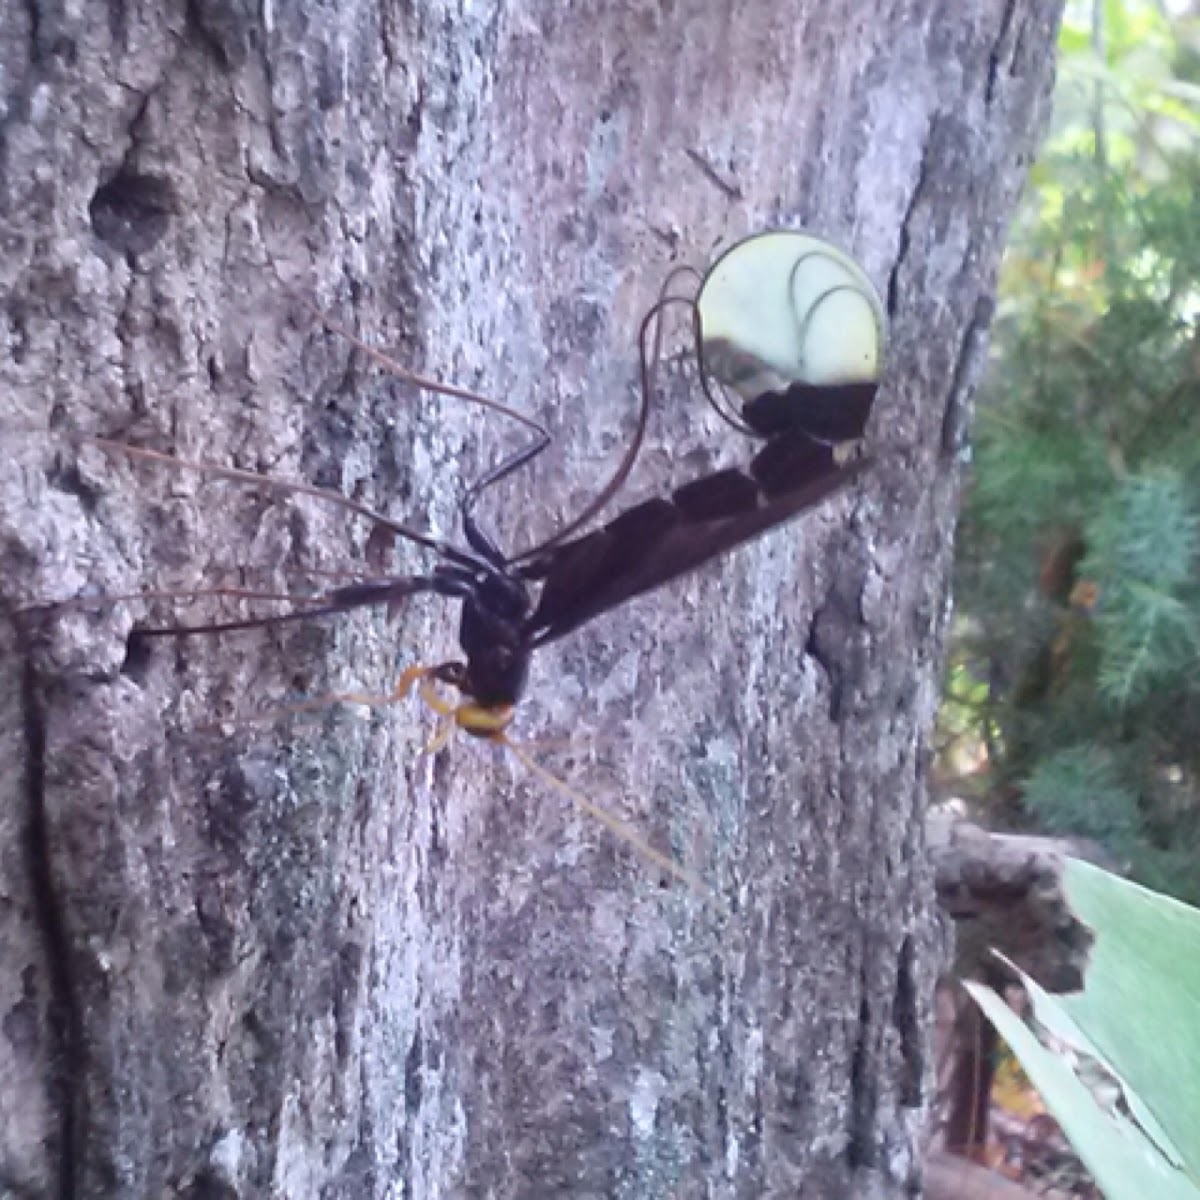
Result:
{"points": [[299, 959]]}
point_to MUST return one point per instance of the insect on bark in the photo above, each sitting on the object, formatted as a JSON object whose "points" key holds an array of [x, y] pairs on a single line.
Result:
{"points": [[785, 324]]}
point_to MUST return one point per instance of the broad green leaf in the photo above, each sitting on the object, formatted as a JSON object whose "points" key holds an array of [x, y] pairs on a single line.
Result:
{"points": [[1141, 1000], [1123, 1160], [1059, 1031], [1118, 1064]]}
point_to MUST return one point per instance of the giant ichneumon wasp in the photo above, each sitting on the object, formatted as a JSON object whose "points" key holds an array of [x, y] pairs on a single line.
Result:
{"points": [[786, 322]]}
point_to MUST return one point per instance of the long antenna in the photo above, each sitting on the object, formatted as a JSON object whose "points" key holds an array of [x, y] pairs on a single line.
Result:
{"points": [[514, 462], [292, 486], [423, 381]]}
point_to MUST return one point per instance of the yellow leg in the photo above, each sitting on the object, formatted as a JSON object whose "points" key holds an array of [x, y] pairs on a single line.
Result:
{"points": [[443, 735], [403, 686], [431, 699]]}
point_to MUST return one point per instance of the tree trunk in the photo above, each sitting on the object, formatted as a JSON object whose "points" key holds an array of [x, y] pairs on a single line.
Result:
{"points": [[297, 957]]}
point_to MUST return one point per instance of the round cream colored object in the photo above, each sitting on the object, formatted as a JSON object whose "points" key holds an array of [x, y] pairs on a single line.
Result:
{"points": [[782, 308]]}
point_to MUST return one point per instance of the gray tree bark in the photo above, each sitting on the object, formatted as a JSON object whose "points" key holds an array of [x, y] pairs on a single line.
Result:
{"points": [[298, 958]]}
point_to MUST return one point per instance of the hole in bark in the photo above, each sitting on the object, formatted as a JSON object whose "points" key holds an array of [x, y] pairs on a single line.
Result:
{"points": [[66, 478], [209, 1185], [224, 28], [131, 212], [65, 50], [138, 655], [413, 1083]]}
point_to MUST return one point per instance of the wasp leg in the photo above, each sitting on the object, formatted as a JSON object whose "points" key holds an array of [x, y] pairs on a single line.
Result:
{"points": [[403, 686], [370, 700], [429, 695], [477, 539], [441, 738]]}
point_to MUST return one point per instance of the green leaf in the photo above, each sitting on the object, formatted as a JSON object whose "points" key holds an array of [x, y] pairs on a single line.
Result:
{"points": [[1141, 1000], [1118, 1064], [1124, 1161]]}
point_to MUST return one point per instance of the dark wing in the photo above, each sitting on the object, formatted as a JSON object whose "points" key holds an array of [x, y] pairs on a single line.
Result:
{"points": [[655, 542]]}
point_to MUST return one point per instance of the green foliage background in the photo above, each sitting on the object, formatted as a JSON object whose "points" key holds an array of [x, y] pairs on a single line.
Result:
{"points": [[1073, 699]]}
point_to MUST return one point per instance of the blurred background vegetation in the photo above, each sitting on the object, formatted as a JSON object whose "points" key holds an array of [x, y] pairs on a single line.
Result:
{"points": [[1073, 680]]}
